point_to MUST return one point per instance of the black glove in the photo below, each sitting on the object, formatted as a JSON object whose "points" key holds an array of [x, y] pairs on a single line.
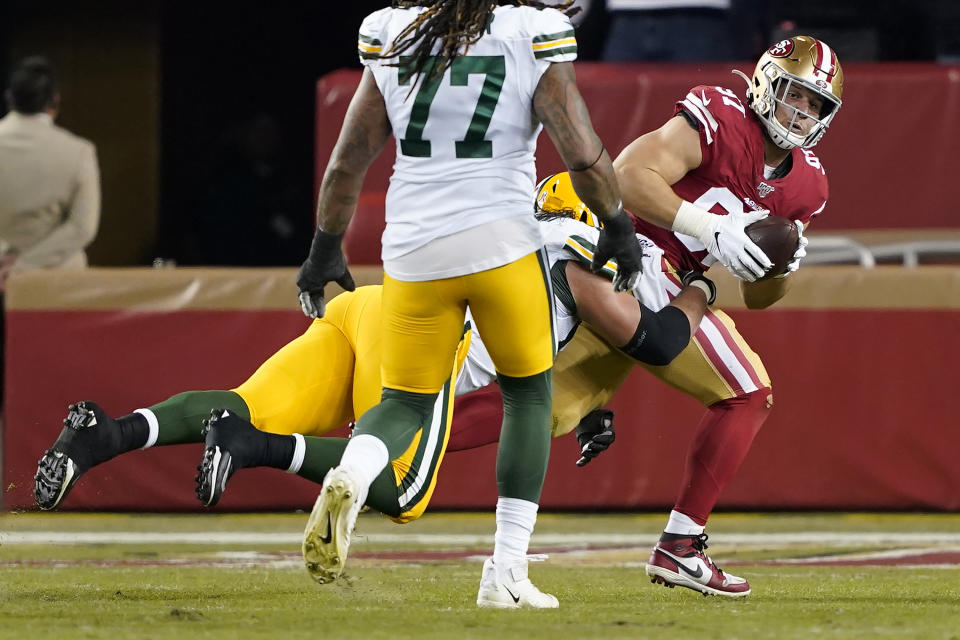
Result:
{"points": [[618, 241], [686, 277], [595, 434], [326, 263]]}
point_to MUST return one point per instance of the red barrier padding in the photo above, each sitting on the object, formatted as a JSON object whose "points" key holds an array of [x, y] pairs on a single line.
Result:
{"points": [[361, 242], [862, 419], [125, 360], [864, 414]]}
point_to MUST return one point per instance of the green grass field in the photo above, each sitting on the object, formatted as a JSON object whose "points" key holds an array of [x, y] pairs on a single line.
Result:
{"points": [[240, 576]]}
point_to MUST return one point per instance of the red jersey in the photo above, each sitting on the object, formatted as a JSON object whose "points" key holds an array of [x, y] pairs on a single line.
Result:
{"points": [[730, 176]]}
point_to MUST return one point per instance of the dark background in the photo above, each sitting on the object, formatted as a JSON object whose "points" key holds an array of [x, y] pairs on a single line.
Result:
{"points": [[203, 112]]}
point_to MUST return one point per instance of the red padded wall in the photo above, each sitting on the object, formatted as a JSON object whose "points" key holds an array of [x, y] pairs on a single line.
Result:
{"points": [[864, 414], [862, 419]]}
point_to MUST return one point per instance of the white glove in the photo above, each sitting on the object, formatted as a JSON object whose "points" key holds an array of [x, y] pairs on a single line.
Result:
{"points": [[799, 254], [725, 239]]}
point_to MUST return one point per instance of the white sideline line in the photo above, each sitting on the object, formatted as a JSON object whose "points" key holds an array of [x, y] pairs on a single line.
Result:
{"points": [[577, 539], [889, 554]]}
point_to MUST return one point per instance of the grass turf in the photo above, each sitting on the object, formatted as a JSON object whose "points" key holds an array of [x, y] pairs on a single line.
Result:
{"points": [[120, 591]]}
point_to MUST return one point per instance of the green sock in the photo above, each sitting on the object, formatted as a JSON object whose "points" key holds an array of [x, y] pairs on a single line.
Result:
{"points": [[525, 436], [397, 418], [322, 454], [180, 417]]}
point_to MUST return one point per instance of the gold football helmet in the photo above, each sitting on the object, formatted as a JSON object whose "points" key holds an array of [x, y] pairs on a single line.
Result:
{"points": [[557, 199], [803, 61]]}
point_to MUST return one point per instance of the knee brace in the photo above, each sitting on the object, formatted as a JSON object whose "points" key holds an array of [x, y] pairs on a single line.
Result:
{"points": [[660, 336]]}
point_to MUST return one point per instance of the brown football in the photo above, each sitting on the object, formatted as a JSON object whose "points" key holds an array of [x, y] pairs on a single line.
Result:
{"points": [[778, 238]]}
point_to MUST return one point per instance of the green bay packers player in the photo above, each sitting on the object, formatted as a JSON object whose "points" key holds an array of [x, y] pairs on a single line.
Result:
{"points": [[331, 375], [692, 184], [319, 381], [464, 86]]}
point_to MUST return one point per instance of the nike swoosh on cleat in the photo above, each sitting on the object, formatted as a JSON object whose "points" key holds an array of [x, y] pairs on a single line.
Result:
{"points": [[693, 574], [698, 573], [327, 538], [225, 474], [516, 599]]}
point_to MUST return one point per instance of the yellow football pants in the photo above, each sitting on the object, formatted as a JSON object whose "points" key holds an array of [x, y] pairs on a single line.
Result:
{"points": [[422, 322], [330, 375]]}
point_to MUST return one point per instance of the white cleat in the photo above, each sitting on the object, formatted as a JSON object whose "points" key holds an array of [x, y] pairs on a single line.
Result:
{"points": [[510, 588], [326, 539]]}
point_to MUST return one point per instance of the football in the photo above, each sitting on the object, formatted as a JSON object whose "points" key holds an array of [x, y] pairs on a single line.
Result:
{"points": [[778, 238]]}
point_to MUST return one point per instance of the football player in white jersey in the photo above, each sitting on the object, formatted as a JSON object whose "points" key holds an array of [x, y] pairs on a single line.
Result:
{"points": [[464, 87]]}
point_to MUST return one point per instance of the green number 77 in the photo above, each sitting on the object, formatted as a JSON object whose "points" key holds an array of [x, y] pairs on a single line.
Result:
{"points": [[473, 144]]}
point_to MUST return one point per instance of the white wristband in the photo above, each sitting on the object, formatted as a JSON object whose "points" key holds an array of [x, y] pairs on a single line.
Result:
{"points": [[693, 221], [703, 286]]}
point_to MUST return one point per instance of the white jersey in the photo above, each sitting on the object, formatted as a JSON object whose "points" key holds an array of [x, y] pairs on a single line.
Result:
{"points": [[466, 140], [569, 240]]}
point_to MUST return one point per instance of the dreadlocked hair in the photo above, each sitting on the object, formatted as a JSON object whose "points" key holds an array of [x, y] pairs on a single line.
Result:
{"points": [[456, 25], [543, 215]]}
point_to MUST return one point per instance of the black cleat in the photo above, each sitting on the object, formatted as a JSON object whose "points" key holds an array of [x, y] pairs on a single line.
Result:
{"points": [[89, 437], [230, 441]]}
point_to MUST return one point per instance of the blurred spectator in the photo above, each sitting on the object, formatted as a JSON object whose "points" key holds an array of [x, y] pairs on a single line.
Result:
{"points": [[49, 178], [669, 31], [892, 30], [250, 212]]}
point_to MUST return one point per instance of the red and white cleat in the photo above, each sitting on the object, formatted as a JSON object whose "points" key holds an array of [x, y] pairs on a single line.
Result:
{"points": [[679, 560]]}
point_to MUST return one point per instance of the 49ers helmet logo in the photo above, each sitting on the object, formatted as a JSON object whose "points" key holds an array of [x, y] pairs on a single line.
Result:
{"points": [[782, 49]]}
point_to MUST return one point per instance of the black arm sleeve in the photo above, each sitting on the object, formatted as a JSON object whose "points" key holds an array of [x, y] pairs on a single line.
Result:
{"points": [[660, 336]]}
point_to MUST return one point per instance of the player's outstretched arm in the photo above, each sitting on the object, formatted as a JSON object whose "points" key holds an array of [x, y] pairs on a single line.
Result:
{"points": [[653, 337], [365, 130], [559, 106]]}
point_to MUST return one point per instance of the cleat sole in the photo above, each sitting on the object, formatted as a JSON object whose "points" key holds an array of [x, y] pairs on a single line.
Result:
{"points": [[56, 474], [214, 471], [671, 579], [326, 539]]}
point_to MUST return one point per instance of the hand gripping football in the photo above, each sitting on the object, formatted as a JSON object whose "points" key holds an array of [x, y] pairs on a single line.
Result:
{"points": [[778, 238]]}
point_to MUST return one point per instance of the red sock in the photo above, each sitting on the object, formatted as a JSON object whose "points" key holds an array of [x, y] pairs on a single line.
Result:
{"points": [[477, 418], [720, 445]]}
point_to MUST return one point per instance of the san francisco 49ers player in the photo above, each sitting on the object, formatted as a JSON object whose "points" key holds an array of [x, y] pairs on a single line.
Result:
{"points": [[717, 162]]}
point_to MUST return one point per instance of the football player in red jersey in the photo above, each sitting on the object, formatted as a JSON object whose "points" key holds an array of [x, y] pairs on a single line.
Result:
{"points": [[721, 156], [692, 185]]}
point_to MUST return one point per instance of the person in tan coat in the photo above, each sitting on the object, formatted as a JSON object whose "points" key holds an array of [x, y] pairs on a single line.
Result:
{"points": [[49, 178]]}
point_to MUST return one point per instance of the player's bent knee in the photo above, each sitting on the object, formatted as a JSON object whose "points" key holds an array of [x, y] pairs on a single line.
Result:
{"points": [[407, 516], [759, 401], [762, 398], [767, 395], [660, 336]]}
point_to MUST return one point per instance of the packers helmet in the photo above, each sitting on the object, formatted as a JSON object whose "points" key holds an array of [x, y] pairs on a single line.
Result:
{"points": [[557, 199], [802, 61]]}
